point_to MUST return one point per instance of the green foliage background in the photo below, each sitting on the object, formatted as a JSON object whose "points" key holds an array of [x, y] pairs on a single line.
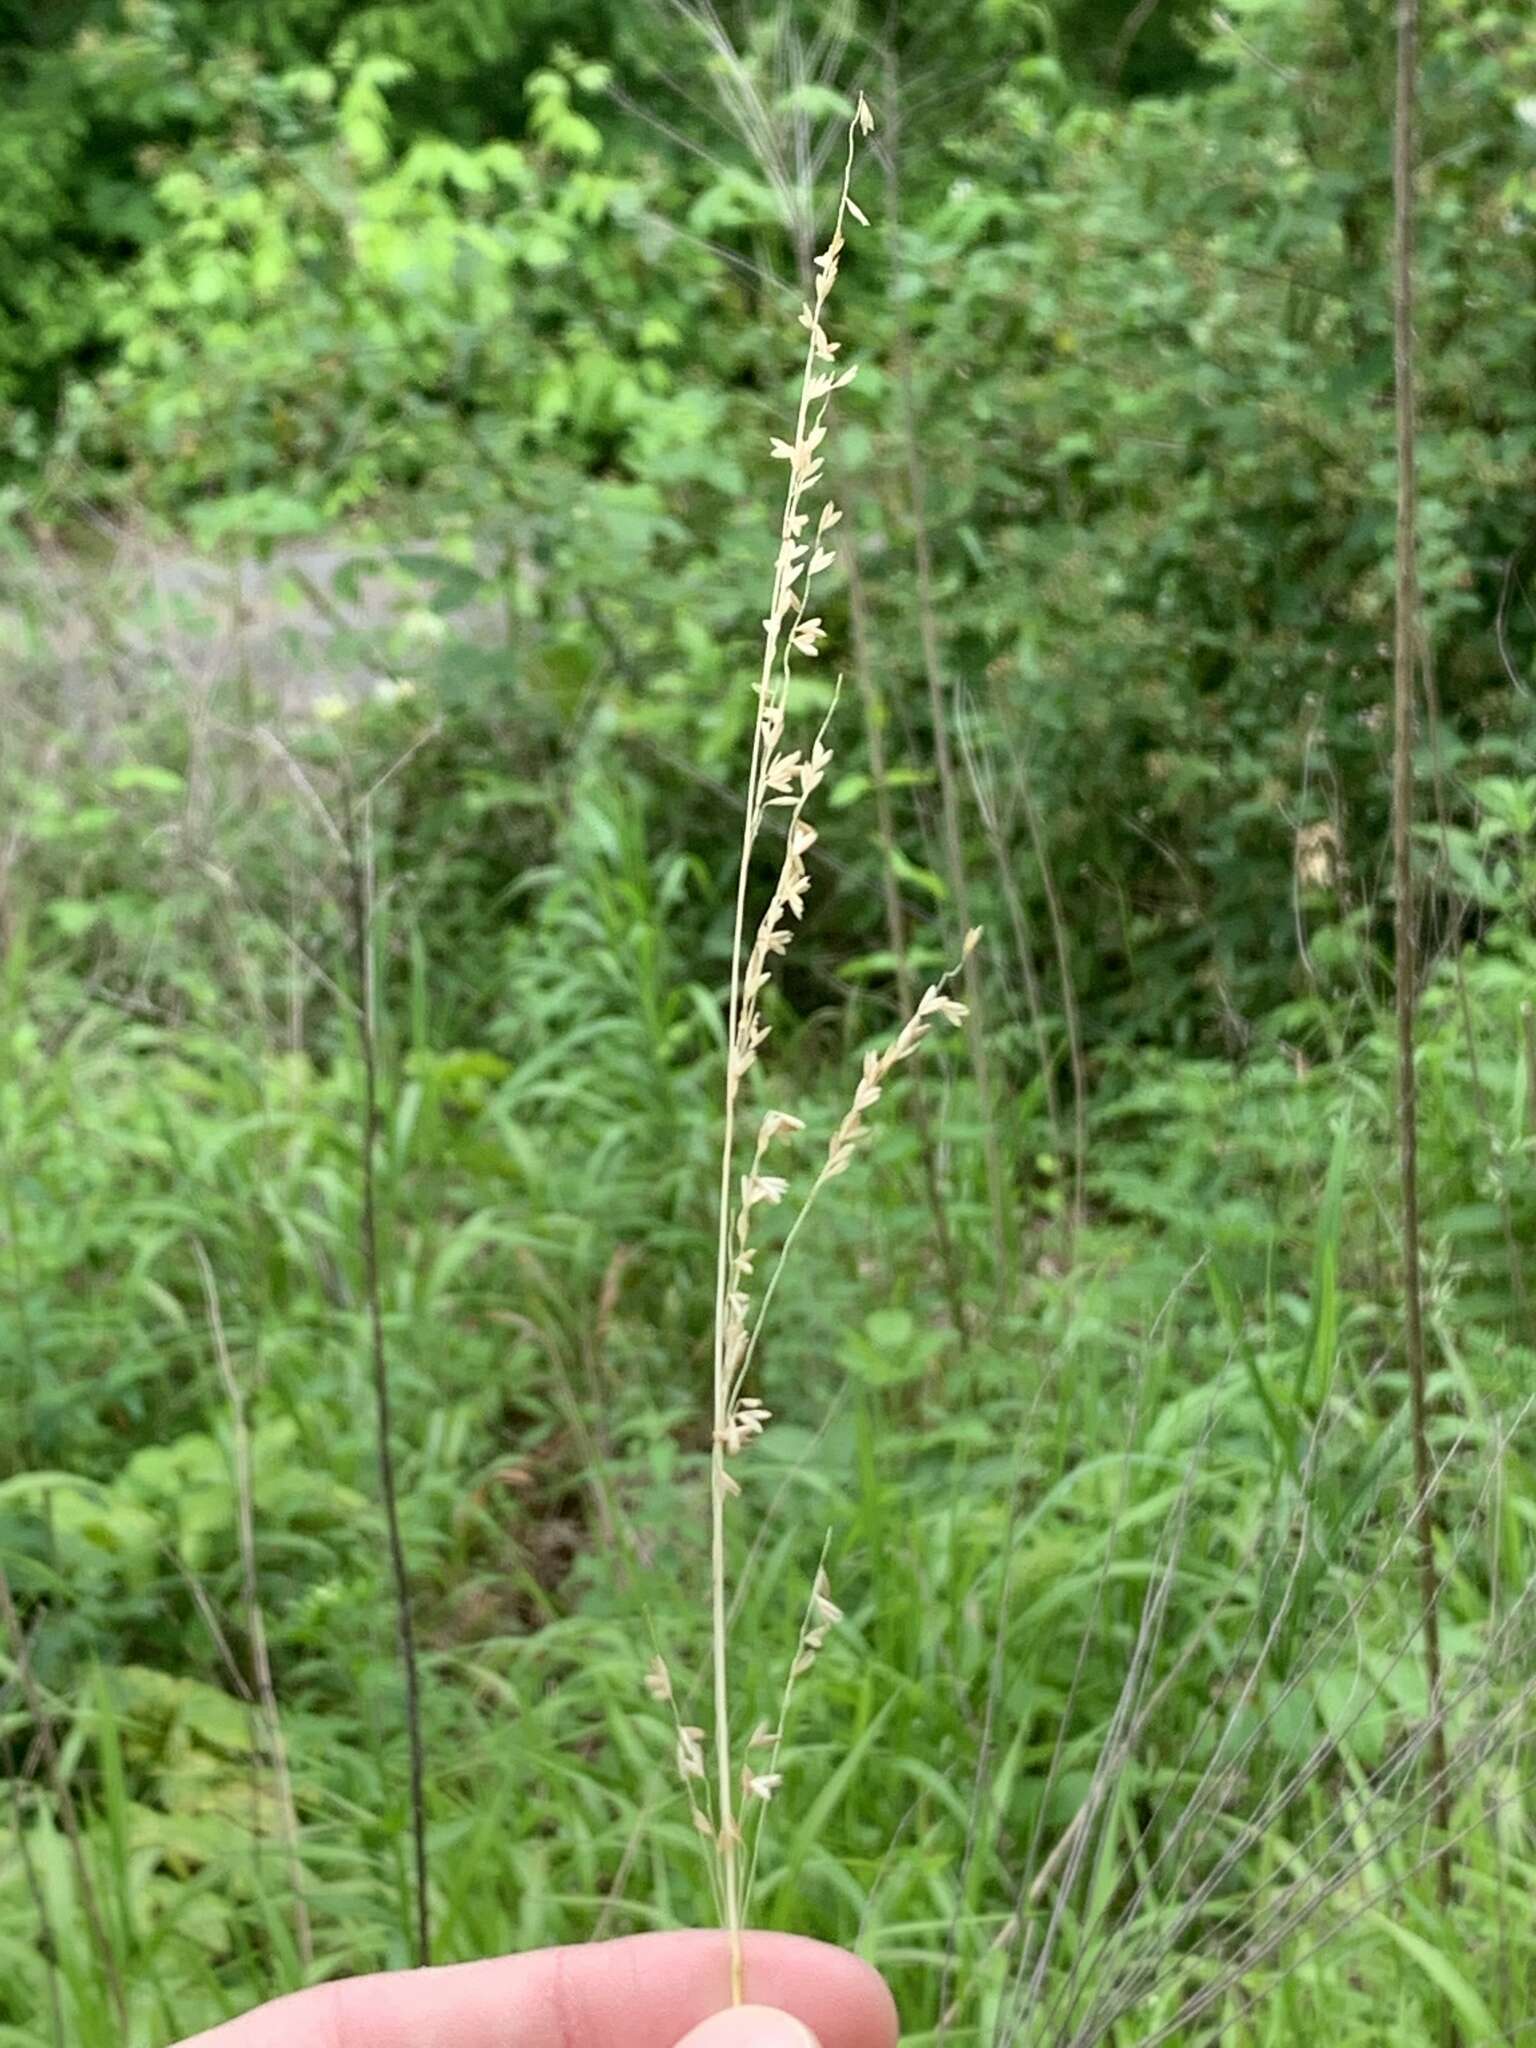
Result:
{"points": [[463, 327]]}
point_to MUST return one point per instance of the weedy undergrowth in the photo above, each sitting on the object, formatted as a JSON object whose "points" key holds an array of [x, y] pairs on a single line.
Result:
{"points": [[780, 777]]}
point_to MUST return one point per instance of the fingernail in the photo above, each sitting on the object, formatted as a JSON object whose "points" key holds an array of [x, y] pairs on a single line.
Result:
{"points": [[751, 2026]]}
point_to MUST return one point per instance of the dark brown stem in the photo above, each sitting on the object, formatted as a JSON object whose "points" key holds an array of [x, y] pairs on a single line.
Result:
{"points": [[359, 870], [1406, 649]]}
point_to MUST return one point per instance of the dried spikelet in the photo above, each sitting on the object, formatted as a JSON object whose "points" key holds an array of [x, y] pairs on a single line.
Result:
{"points": [[690, 1752], [822, 1601]]}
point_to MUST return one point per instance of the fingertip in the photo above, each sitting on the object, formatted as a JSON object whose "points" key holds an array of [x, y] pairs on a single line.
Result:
{"points": [[751, 2026], [842, 2000]]}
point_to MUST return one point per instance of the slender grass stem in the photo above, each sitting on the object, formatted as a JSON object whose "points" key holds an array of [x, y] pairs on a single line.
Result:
{"points": [[1408, 637], [265, 1691], [787, 778], [360, 878]]}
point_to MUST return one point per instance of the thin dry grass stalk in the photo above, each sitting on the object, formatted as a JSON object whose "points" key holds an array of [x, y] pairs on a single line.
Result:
{"points": [[896, 927], [941, 707], [255, 1618], [978, 770], [780, 777], [359, 859]]}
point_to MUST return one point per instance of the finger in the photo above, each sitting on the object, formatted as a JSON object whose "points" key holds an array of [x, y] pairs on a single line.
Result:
{"points": [[751, 2026], [643, 1992]]}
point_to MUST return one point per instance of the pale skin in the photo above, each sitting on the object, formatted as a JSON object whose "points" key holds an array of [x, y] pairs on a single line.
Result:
{"points": [[649, 1991]]}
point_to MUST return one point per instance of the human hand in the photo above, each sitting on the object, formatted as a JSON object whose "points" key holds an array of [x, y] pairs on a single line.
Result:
{"points": [[648, 1991]]}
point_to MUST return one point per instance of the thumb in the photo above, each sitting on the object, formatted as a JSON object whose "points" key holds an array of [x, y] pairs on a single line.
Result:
{"points": [[751, 2026]]}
